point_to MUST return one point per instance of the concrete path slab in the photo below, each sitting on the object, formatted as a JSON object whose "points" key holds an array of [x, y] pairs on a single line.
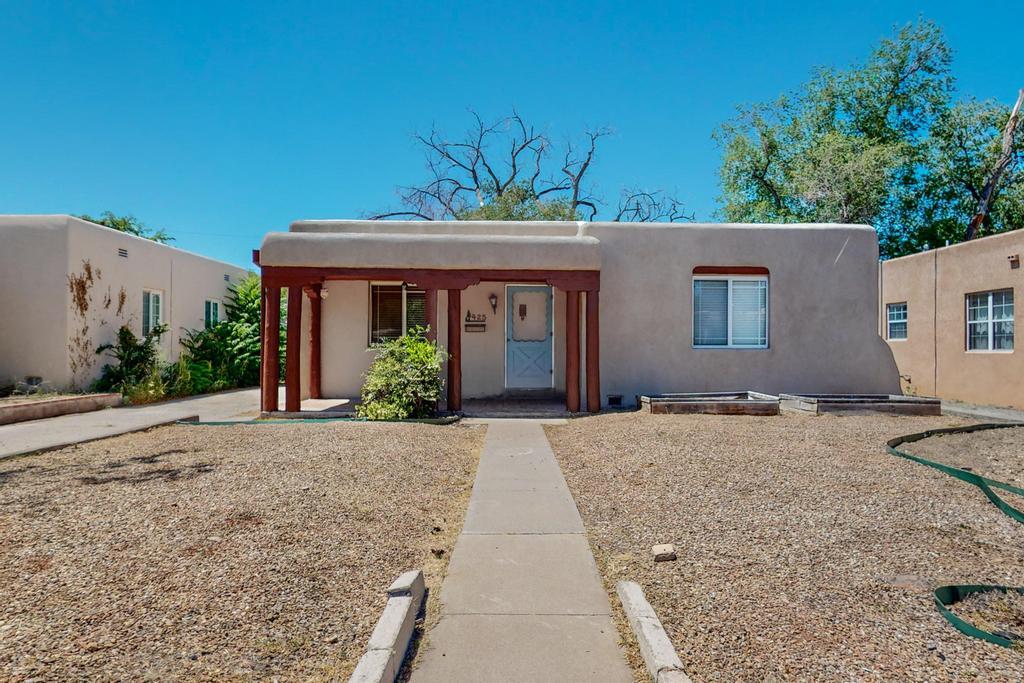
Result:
{"points": [[522, 600], [498, 649]]}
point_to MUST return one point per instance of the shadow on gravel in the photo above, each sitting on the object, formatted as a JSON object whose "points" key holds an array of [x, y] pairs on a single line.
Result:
{"points": [[161, 474]]}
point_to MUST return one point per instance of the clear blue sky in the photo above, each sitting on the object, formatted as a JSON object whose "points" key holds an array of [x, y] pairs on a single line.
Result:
{"points": [[220, 121]]}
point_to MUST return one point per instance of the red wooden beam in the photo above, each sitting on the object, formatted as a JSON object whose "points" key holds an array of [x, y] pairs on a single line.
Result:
{"points": [[593, 353], [454, 350], [572, 351], [314, 341], [730, 270], [292, 383], [430, 306], [271, 334], [284, 276], [256, 256]]}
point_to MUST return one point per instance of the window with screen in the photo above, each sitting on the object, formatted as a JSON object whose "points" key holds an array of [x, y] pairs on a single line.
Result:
{"points": [[152, 313], [730, 312], [394, 310], [211, 315]]}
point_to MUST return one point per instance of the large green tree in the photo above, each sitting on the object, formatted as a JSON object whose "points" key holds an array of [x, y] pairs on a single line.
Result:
{"points": [[129, 224], [508, 170], [880, 143]]}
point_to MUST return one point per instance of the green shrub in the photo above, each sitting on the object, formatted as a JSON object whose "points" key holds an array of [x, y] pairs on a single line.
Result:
{"points": [[137, 360], [404, 380], [149, 389]]}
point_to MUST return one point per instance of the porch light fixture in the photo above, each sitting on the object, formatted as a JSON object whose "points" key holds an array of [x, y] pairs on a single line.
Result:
{"points": [[493, 298]]}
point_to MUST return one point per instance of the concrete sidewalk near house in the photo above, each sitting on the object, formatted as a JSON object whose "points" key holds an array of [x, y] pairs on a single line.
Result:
{"points": [[55, 432], [981, 413], [522, 600]]}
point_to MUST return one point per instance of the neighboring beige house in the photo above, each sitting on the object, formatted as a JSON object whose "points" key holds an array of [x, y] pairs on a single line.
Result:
{"points": [[67, 285], [594, 312], [950, 319]]}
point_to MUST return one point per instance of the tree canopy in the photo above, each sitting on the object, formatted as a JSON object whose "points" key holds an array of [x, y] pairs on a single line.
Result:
{"points": [[882, 142], [129, 224], [508, 170]]}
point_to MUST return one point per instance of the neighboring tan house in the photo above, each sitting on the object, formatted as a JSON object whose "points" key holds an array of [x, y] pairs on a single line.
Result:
{"points": [[949, 316], [597, 312], [67, 286]]}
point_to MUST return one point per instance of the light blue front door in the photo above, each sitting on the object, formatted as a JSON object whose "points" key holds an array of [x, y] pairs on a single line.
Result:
{"points": [[528, 337]]}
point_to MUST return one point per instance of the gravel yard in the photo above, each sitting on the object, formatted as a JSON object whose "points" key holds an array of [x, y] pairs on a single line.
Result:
{"points": [[994, 453], [805, 551], [251, 551]]}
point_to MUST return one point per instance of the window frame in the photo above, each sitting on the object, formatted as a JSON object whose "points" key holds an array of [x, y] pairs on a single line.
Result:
{"points": [[728, 314], [406, 288], [160, 309], [889, 321], [989, 322], [206, 306]]}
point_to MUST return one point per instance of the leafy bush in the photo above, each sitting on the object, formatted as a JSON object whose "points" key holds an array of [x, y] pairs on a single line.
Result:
{"points": [[405, 379], [149, 389], [137, 360]]}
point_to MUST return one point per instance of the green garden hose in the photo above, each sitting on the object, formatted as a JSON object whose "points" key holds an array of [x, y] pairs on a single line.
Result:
{"points": [[945, 596]]}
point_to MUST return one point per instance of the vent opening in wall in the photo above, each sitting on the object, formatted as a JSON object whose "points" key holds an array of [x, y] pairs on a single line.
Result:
{"points": [[614, 400], [123, 253], [227, 278]]}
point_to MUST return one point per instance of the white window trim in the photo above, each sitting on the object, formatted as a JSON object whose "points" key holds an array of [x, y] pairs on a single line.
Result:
{"points": [[728, 312], [889, 322], [160, 310], [220, 305], [369, 304], [990, 322]]}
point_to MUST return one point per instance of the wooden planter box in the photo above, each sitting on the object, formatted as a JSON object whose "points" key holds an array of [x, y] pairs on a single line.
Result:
{"points": [[64, 405], [817, 404], [715, 403]]}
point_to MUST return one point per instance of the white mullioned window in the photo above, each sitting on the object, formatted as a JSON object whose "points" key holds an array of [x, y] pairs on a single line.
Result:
{"points": [[990, 321], [395, 308], [211, 313], [896, 315], [152, 310], [730, 312]]}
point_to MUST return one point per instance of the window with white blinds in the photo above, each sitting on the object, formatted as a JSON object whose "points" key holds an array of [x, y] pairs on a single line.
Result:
{"points": [[394, 310], [990, 321], [730, 312], [152, 313]]}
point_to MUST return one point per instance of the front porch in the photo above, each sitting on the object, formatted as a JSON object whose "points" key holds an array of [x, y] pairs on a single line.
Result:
{"points": [[449, 302]]}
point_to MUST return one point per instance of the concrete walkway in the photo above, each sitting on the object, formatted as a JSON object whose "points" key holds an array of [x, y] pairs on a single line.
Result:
{"points": [[981, 413], [54, 432], [522, 600]]}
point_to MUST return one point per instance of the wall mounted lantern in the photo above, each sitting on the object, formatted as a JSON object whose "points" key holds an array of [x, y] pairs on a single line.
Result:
{"points": [[493, 298]]}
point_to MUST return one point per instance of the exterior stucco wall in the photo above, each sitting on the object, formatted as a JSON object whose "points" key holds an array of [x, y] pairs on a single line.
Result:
{"points": [[33, 300], [822, 310], [186, 281], [937, 282], [345, 352]]}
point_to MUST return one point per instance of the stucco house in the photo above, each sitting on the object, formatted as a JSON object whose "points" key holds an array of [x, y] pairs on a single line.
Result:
{"points": [[949, 316], [67, 285], [594, 312]]}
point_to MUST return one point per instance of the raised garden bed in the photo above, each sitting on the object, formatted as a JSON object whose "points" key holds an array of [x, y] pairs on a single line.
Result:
{"points": [[715, 402], [33, 408], [817, 404]]}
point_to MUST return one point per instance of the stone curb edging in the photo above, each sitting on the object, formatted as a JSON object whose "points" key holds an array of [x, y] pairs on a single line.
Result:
{"points": [[53, 407], [391, 636], [663, 664]]}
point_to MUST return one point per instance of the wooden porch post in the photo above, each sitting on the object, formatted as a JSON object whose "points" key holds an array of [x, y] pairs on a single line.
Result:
{"points": [[572, 351], [292, 397], [430, 306], [270, 371], [593, 353], [454, 350], [314, 341]]}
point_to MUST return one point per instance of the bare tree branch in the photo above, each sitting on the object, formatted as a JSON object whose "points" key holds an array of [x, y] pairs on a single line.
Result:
{"points": [[1005, 157]]}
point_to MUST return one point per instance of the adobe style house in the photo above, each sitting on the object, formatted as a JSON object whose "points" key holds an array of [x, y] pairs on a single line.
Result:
{"points": [[67, 286], [949, 316], [597, 312]]}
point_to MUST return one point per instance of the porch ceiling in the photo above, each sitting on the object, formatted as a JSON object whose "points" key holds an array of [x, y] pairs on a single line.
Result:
{"points": [[430, 251]]}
